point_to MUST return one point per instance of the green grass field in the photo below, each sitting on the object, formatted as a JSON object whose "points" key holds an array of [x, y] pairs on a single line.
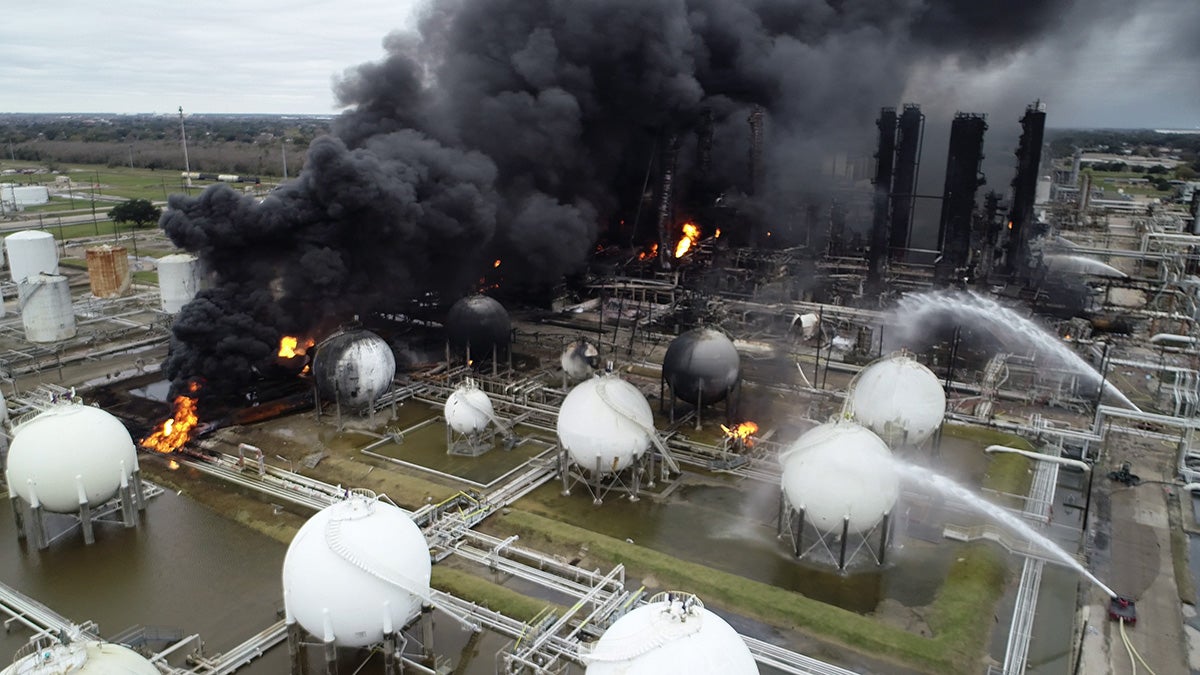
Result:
{"points": [[125, 182]]}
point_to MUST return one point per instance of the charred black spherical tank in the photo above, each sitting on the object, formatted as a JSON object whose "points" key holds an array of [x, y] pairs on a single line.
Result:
{"points": [[480, 322], [580, 360], [701, 366], [354, 368]]}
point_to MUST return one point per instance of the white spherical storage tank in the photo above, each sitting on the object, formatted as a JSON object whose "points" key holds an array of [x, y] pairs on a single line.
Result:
{"points": [[899, 399], [46, 310], [83, 658], [355, 571], [468, 409], [31, 252], [673, 634], [66, 449], [179, 278], [605, 418], [839, 471]]}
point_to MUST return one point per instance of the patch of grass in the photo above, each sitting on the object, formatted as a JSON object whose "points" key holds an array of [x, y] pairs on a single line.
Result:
{"points": [[1007, 472], [146, 277], [468, 586], [1179, 551], [958, 616]]}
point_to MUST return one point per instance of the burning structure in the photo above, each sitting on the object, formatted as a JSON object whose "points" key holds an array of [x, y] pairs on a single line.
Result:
{"points": [[651, 185]]}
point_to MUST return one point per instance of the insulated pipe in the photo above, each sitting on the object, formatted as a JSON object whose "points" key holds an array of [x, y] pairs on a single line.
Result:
{"points": [[1078, 463], [1171, 337]]}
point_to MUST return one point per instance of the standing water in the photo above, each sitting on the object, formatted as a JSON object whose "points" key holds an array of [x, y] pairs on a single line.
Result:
{"points": [[952, 490], [919, 308]]}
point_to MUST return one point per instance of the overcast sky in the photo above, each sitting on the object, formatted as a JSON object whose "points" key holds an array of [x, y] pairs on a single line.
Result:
{"points": [[269, 56]]}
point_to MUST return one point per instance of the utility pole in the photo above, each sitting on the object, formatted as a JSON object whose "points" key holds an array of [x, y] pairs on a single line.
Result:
{"points": [[283, 148], [95, 184], [187, 167]]}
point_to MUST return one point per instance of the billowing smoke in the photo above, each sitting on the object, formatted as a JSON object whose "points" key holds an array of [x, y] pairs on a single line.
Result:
{"points": [[523, 130]]}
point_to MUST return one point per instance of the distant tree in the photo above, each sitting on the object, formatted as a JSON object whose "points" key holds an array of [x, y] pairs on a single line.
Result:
{"points": [[1185, 172], [140, 212]]}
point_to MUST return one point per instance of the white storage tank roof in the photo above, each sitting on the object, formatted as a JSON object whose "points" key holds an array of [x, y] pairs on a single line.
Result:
{"points": [[179, 278], [69, 445], [899, 399], [31, 252], [673, 634], [355, 570], [606, 418], [46, 310], [840, 470], [468, 409], [83, 658]]}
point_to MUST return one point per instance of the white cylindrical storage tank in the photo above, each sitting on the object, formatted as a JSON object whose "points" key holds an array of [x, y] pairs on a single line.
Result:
{"points": [[18, 197], [179, 278], [31, 252], [356, 570], [673, 634], [68, 448], [46, 308], [899, 399], [468, 409], [605, 418], [839, 474], [89, 657]]}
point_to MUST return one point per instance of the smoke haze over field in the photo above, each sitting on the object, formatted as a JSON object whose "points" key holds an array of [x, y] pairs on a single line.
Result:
{"points": [[520, 130]]}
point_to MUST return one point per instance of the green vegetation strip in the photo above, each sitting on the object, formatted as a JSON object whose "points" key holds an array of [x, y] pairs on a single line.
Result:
{"points": [[959, 616], [482, 592], [1008, 473], [1185, 587]]}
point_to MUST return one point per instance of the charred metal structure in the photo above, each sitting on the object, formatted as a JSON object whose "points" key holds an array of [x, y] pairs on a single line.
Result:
{"points": [[884, 164], [1024, 185], [963, 178], [911, 132]]}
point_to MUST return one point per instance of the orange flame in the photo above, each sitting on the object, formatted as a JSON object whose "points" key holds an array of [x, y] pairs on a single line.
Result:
{"points": [[717, 234], [743, 432], [691, 234], [649, 254], [175, 431], [496, 263], [290, 346]]}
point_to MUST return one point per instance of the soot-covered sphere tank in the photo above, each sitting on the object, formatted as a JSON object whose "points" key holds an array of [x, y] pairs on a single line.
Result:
{"points": [[355, 368], [701, 366], [478, 322]]}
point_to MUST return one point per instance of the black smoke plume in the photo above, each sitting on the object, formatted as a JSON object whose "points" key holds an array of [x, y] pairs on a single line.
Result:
{"points": [[522, 130]]}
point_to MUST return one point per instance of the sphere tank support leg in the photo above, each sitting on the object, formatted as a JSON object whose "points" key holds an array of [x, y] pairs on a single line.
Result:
{"points": [[883, 536], [127, 508], [845, 538], [85, 512], [295, 646], [798, 538], [18, 520], [596, 483], [139, 495], [35, 526], [427, 653], [699, 403]]}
